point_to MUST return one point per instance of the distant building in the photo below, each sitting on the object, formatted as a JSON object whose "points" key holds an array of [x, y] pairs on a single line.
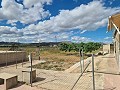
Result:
{"points": [[108, 48], [114, 23]]}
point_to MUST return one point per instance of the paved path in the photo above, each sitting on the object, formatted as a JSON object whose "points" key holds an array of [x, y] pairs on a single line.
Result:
{"points": [[77, 67], [111, 81], [54, 80], [107, 66]]}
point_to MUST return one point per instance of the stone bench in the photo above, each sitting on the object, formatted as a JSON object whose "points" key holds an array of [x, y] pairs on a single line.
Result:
{"points": [[8, 80]]}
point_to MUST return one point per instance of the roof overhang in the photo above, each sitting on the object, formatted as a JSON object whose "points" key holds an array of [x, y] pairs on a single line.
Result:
{"points": [[114, 22]]}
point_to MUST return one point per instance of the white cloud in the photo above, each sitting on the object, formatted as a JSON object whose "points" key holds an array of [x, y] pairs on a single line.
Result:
{"points": [[14, 11], [78, 39], [107, 41], [10, 33], [84, 17], [83, 31], [106, 38], [30, 3], [12, 22], [7, 30]]}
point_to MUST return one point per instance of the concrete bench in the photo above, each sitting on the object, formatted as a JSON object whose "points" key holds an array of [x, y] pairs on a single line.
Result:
{"points": [[26, 75], [8, 80]]}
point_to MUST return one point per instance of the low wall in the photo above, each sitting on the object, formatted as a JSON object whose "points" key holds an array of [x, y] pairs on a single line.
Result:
{"points": [[12, 56], [108, 48]]}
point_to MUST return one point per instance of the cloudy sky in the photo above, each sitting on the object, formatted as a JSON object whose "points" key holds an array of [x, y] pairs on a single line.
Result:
{"points": [[56, 20]]}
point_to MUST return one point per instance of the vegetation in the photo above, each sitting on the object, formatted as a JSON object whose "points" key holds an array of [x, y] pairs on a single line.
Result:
{"points": [[87, 47]]}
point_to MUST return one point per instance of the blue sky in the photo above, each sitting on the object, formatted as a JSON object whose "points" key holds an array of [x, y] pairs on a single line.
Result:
{"points": [[64, 20]]}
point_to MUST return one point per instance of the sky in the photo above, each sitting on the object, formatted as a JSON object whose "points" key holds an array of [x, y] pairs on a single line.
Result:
{"points": [[33, 21]]}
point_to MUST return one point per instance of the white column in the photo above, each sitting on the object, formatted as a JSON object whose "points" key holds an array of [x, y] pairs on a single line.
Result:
{"points": [[119, 53]]}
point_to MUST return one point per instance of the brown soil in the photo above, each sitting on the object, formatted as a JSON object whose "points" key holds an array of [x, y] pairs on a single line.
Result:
{"points": [[58, 60]]}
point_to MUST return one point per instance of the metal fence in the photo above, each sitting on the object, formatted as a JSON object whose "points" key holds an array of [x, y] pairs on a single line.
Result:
{"points": [[57, 60], [60, 61]]}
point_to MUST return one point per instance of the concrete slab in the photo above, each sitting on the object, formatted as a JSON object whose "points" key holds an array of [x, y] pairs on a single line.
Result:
{"points": [[6, 75]]}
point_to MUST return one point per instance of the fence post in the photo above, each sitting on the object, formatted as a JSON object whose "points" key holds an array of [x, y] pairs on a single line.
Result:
{"points": [[22, 57], [39, 51], [31, 69], [6, 58], [93, 72], [16, 58], [80, 59]]}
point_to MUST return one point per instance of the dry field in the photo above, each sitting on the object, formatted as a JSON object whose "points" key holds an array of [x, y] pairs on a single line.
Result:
{"points": [[57, 60]]}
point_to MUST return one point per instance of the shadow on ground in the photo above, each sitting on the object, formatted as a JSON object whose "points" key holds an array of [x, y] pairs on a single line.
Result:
{"points": [[18, 85]]}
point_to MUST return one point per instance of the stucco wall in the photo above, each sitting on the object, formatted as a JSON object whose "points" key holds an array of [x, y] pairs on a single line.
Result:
{"points": [[12, 56], [117, 44], [111, 48], [106, 48]]}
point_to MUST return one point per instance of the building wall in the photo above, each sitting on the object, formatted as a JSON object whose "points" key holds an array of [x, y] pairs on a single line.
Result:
{"points": [[117, 47], [12, 56], [111, 48], [106, 48]]}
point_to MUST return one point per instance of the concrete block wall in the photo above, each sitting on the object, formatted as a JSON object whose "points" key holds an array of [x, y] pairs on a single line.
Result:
{"points": [[12, 56]]}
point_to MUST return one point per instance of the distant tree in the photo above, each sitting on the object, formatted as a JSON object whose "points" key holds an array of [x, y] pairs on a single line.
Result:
{"points": [[87, 47], [70, 47], [14, 47], [63, 46]]}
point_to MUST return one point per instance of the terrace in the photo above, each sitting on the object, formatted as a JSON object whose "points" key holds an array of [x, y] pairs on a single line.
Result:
{"points": [[106, 76]]}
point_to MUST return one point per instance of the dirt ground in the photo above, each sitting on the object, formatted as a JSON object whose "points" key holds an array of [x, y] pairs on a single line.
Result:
{"points": [[57, 62]]}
